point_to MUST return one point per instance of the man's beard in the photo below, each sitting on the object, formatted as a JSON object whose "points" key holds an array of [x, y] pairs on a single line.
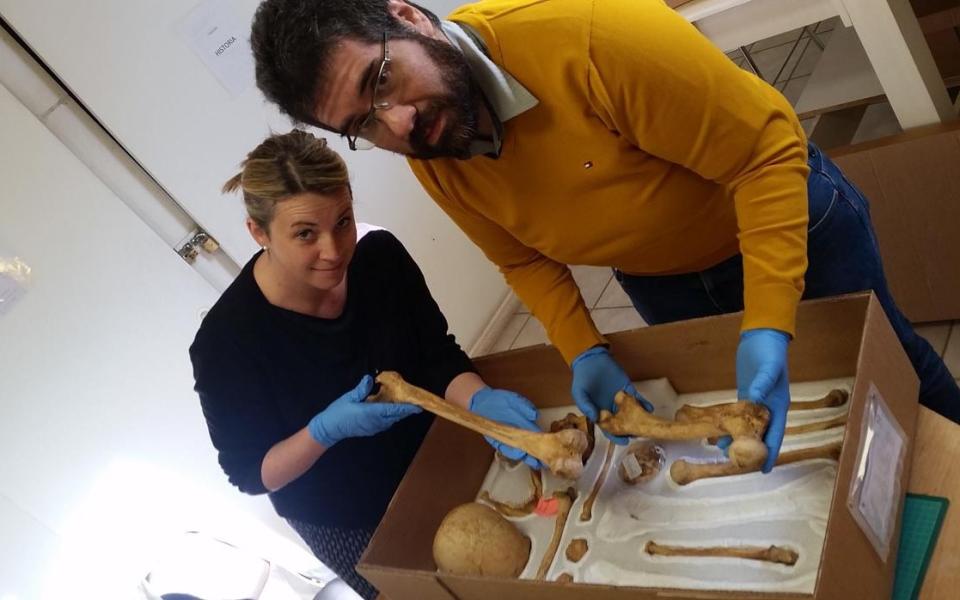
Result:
{"points": [[460, 106]]}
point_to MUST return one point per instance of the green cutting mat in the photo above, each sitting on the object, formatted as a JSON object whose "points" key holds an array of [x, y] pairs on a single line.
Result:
{"points": [[922, 518]]}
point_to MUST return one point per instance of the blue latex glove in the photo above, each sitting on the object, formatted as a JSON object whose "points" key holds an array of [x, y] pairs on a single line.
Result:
{"points": [[762, 378], [596, 380], [351, 416], [508, 408]]}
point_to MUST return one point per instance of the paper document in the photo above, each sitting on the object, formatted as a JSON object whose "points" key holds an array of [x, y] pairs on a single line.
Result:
{"points": [[221, 38]]}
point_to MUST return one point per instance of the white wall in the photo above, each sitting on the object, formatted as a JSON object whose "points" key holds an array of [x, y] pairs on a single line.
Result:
{"points": [[103, 451], [127, 63], [79, 132]]}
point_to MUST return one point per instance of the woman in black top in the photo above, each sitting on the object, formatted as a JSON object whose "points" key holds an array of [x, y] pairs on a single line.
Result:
{"points": [[283, 361]]}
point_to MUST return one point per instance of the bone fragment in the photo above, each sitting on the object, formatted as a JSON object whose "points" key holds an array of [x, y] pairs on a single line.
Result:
{"points": [[565, 501], [564, 578], [775, 554], [561, 452], [518, 510], [574, 421], [586, 511], [577, 549], [683, 472]]}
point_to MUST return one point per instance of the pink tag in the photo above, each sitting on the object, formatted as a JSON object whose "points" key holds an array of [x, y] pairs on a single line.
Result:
{"points": [[547, 507]]}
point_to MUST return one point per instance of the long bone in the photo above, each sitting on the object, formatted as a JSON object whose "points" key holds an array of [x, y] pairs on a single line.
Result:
{"points": [[744, 421], [683, 472], [839, 421], [689, 413], [817, 426], [775, 554], [586, 511], [561, 452], [565, 500], [834, 398], [574, 421]]}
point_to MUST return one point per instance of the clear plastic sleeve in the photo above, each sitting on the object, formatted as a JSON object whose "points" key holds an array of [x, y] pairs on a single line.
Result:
{"points": [[876, 490]]}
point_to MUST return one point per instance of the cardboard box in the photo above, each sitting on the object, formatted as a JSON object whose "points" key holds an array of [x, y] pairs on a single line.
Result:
{"points": [[836, 338], [912, 182]]}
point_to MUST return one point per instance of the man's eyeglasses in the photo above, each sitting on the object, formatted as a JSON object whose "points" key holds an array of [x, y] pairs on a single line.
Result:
{"points": [[358, 137]]}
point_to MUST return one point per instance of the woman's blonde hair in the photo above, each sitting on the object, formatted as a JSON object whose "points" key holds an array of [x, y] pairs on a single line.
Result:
{"points": [[285, 165]]}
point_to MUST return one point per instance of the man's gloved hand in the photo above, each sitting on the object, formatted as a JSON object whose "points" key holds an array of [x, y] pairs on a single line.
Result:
{"points": [[351, 416], [762, 378], [508, 408], [597, 378]]}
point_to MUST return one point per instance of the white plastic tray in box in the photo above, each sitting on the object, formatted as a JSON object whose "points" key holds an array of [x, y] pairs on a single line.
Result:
{"points": [[788, 507]]}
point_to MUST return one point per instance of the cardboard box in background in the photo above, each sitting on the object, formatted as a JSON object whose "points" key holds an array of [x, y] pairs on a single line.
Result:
{"points": [[939, 20], [912, 182], [841, 337]]}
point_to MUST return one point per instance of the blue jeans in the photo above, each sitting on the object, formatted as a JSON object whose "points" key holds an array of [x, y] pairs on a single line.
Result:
{"points": [[843, 257]]}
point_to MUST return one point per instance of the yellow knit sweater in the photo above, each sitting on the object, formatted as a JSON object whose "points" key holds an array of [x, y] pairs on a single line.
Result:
{"points": [[650, 151]]}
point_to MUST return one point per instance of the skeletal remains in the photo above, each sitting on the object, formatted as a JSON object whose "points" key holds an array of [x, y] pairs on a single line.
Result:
{"points": [[744, 421], [683, 472], [839, 421], [775, 554], [577, 548], [561, 452], [573, 421], [565, 502], [834, 398], [586, 511], [817, 425], [689, 413], [473, 539]]}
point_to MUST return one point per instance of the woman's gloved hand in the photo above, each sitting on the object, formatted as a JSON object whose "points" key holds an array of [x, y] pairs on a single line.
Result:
{"points": [[762, 378], [508, 408], [597, 378], [351, 416]]}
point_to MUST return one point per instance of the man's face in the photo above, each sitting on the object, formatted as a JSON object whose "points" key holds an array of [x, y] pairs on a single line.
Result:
{"points": [[431, 100]]}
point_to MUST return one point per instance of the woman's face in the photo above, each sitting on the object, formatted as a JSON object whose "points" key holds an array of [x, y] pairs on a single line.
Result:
{"points": [[311, 239]]}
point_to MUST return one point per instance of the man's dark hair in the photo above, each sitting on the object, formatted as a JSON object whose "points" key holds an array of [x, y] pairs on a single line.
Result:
{"points": [[292, 42]]}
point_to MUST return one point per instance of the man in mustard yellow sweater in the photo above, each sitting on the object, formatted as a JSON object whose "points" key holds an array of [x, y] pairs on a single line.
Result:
{"points": [[597, 132]]}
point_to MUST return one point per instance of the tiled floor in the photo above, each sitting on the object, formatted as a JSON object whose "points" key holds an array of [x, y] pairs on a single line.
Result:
{"points": [[786, 60], [609, 306], [612, 311]]}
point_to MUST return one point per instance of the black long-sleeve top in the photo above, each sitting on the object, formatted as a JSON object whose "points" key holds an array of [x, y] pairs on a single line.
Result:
{"points": [[262, 372]]}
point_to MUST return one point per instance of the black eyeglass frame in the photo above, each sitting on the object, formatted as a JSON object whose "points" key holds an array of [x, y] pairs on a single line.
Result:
{"points": [[371, 117]]}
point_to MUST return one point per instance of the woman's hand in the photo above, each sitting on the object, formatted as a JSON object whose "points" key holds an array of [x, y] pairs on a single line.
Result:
{"points": [[351, 416]]}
